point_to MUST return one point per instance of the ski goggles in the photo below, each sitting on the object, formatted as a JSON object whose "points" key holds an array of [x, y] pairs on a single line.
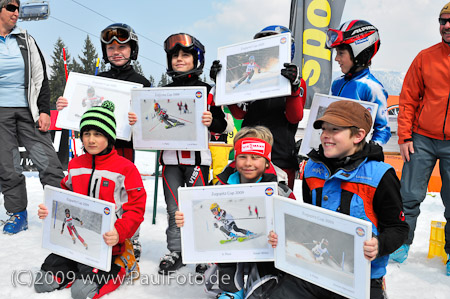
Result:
{"points": [[215, 209], [334, 38], [119, 35], [182, 39], [337, 37], [12, 8], [443, 21]]}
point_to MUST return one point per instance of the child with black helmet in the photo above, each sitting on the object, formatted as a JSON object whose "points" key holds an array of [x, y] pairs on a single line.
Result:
{"points": [[120, 46], [100, 173], [356, 43], [185, 61], [281, 115]]}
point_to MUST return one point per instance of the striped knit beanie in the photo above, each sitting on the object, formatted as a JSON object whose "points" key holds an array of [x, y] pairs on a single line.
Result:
{"points": [[100, 118]]}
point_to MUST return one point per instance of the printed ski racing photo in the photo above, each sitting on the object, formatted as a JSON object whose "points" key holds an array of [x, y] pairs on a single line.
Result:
{"points": [[69, 222]]}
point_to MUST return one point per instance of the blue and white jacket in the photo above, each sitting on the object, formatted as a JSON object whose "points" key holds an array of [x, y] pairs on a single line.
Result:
{"points": [[363, 187], [364, 86]]}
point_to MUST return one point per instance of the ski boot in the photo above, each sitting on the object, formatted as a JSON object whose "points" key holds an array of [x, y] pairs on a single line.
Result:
{"points": [[128, 261], [448, 265], [170, 263], [400, 255], [248, 82], [235, 85], [228, 295], [137, 248], [17, 222], [232, 236], [249, 234], [201, 268]]}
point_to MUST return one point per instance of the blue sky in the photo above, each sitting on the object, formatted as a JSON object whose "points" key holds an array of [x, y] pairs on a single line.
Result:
{"points": [[406, 26]]}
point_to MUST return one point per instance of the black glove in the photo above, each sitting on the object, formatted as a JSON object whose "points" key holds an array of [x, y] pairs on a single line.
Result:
{"points": [[215, 68], [292, 73], [216, 225]]}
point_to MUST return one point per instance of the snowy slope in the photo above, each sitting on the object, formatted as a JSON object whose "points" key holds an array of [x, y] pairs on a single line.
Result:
{"points": [[418, 277]]}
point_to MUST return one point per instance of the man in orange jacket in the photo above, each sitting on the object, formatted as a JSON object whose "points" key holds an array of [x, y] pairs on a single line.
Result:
{"points": [[424, 130]]}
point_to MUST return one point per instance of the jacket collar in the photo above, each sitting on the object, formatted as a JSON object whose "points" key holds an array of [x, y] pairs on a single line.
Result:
{"points": [[371, 151], [445, 47]]}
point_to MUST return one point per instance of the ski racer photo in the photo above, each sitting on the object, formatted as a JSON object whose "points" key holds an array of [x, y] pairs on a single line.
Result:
{"points": [[226, 224], [164, 117], [68, 220]]}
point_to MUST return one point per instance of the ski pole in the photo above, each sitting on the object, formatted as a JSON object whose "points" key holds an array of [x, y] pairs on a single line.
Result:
{"points": [[96, 66], [67, 76]]}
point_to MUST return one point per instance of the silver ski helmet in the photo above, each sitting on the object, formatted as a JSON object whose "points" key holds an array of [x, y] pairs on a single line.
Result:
{"points": [[276, 29], [188, 44], [361, 37], [121, 33]]}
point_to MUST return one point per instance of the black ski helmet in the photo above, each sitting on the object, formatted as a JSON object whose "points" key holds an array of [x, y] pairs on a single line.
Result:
{"points": [[188, 44], [121, 33], [361, 37], [276, 29], [67, 211]]}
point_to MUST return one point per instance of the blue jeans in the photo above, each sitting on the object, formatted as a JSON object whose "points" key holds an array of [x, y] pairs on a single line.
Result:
{"points": [[415, 177]]}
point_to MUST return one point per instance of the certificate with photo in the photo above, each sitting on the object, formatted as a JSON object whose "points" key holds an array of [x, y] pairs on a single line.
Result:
{"points": [[252, 70], [228, 223], [75, 226], [85, 91], [320, 103], [169, 118], [323, 247]]}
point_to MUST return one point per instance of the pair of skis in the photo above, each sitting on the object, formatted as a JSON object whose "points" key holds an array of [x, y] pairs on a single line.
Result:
{"points": [[239, 239]]}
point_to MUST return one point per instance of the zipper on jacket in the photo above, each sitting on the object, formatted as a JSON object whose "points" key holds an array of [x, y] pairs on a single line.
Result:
{"points": [[445, 118], [342, 87], [90, 179], [95, 187]]}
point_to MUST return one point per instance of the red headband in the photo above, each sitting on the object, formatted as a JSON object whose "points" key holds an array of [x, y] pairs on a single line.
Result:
{"points": [[253, 146]]}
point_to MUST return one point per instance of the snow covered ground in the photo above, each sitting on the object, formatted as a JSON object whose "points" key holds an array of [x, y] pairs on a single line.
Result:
{"points": [[22, 255]]}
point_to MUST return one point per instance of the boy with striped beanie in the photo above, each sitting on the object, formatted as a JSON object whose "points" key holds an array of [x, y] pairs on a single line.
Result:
{"points": [[103, 174]]}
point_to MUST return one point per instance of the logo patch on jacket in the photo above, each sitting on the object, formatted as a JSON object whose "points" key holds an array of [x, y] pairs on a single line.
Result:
{"points": [[105, 184], [401, 216]]}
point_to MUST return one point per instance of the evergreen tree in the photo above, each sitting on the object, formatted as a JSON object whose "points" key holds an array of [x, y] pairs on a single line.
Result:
{"points": [[152, 81], [102, 67], [164, 80], [57, 79], [74, 66], [89, 58], [137, 67]]}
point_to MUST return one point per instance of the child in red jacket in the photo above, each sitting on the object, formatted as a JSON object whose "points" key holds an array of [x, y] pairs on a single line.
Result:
{"points": [[100, 173]]}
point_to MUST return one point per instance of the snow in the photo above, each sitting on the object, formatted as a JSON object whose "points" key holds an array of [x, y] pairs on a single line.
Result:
{"points": [[22, 255]]}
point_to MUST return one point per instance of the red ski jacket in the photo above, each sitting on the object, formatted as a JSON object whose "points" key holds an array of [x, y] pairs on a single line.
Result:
{"points": [[114, 179]]}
